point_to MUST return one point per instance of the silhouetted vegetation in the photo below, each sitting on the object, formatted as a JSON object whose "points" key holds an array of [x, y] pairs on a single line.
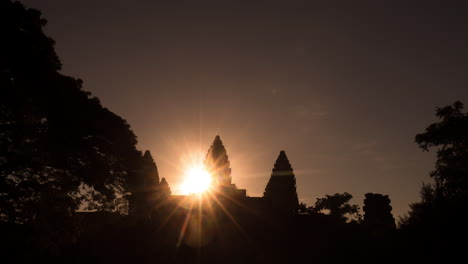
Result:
{"points": [[74, 188], [338, 206], [60, 149], [441, 213], [55, 136]]}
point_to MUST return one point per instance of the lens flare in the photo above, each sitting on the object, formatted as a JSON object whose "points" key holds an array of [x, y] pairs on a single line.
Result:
{"points": [[197, 180]]}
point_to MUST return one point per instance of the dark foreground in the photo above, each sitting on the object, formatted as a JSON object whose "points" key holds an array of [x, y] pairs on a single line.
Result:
{"points": [[109, 238]]}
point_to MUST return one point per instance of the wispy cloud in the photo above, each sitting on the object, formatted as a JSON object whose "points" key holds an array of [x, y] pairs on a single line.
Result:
{"points": [[372, 150]]}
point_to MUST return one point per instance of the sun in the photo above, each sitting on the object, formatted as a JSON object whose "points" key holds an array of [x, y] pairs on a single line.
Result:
{"points": [[197, 180]]}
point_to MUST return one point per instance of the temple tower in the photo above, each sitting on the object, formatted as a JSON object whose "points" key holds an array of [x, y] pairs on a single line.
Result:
{"points": [[280, 192], [378, 212], [144, 187], [217, 163], [164, 189]]}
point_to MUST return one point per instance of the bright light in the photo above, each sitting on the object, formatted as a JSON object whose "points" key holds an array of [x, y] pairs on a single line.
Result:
{"points": [[197, 180]]}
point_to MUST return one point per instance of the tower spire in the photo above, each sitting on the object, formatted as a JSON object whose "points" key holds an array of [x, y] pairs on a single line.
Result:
{"points": [[280, 191], [217, 162], [282, 165]]}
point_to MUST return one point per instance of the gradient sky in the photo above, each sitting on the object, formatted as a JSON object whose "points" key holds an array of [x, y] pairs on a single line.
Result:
{"points": [[342, 87]]}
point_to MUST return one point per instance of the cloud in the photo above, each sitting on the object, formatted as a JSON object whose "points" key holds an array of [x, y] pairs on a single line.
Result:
{"points": [[371, 150]]}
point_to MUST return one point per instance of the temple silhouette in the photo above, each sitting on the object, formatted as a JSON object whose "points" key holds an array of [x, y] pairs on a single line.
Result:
{"points": [[280, 195]]}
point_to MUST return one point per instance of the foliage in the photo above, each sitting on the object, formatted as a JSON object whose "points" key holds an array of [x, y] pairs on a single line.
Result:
{"points": [[54, 135], [450, 139], [442, 202], [302, 209], [338, 205]]}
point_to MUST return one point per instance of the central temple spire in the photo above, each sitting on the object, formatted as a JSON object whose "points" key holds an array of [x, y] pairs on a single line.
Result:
{"points": [[217, 162], [280, 191], [282, 165]]}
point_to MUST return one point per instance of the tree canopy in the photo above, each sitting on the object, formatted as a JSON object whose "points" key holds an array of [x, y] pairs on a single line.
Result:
{"points": [[443, 202], [338, 205], [449, 137], [55, 137]]}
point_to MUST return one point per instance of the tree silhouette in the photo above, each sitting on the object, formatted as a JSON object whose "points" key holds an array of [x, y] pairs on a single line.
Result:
{"points": [[55, 137], [302, 208], [441, 213], [450, 138], [442, 201], [338, 205]]}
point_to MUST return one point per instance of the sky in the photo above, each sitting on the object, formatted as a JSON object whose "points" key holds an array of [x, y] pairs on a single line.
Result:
{"points": [[342, 87]]}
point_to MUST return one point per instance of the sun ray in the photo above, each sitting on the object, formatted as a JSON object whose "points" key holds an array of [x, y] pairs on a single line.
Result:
{"points": [[233, 220], [169, 216], [184, 226]]}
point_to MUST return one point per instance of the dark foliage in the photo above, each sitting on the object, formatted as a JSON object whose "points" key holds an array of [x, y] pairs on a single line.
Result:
{"points": [[449, 194], [338, 206], [55, 137], [434, 223], [450, 139]]}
